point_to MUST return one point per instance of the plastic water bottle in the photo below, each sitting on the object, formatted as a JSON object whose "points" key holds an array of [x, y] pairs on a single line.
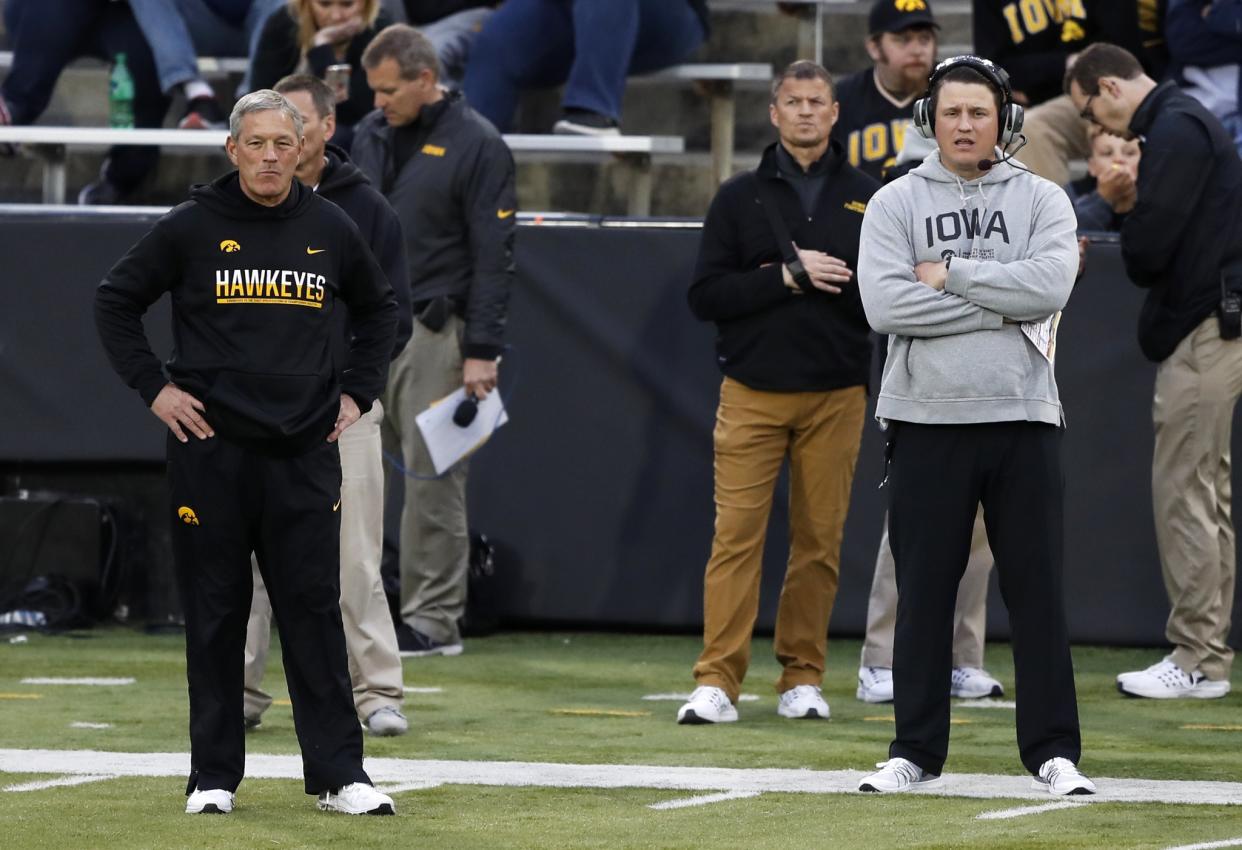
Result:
{"points": [[120, 95]]}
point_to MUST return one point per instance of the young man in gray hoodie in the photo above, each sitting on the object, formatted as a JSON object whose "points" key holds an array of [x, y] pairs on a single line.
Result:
{"points": [[966, 263]]}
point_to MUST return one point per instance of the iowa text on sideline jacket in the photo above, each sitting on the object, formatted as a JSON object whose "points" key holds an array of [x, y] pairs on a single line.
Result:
{"points": [[952, 357], [254, 291], [768, 336], [457, 202]]}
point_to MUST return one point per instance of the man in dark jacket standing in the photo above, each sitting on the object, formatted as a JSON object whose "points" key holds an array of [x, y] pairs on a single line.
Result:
{"points": [[793, 345], [370, 639], [450, 177], [1182, 242], [256, 397]]}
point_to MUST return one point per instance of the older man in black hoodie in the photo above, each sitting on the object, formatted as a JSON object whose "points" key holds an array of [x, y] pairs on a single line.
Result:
{"points": [[375, 666], [256, 396]]}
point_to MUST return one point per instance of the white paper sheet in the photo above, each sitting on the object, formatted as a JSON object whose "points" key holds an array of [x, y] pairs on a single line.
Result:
{"points": [[448, 442]]}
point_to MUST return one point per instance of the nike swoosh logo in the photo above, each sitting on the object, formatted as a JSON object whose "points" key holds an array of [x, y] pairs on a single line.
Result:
{"points": [[310, 250], [504, 213], [337, 506]]}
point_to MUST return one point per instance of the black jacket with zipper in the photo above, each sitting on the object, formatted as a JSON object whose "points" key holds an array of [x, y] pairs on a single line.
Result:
{"points": [[254, 295], [1186, 227], [456, 198], [770, 337]]}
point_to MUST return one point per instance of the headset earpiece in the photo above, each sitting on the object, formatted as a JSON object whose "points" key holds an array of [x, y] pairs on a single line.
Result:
{"points": [[923, 122]]}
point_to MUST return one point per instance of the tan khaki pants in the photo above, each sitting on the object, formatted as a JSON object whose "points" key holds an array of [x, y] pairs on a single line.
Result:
{"points": [[755, 431], [969, 618], [1197, 388], [1055, 134], [370, 638]]}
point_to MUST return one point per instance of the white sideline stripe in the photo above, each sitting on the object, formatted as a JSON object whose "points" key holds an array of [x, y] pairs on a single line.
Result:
{"points": [[549, 775], [1006, 814], [86, 681], [986, 702], [399, 787], [82, 724], [423, 690], [63, 782], [1211, 845], [684, 697], [703, 800]]}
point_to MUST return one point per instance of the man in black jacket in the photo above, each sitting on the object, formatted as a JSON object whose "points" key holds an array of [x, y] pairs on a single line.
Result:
{"points": [[375, 666], [1182, 242], [793, 345], [257, 267], [450, 177]]}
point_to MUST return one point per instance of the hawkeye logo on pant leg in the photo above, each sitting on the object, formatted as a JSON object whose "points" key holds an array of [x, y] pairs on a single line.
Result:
{"points": [[228, 246], [187, 515]]}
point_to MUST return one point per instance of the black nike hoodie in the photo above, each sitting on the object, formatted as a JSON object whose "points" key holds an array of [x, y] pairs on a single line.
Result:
{"points": [[254, 293]]}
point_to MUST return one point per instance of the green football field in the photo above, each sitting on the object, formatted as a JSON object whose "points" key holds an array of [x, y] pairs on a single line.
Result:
{"points": [[545, 740]]}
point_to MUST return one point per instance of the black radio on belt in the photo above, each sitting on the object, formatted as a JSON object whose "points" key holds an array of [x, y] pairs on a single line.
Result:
{"points": [[1230, 316], [435, 312]]}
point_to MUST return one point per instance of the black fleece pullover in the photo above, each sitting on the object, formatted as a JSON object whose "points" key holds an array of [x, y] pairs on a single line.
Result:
{"points": [[254, 294], [770, 337]]}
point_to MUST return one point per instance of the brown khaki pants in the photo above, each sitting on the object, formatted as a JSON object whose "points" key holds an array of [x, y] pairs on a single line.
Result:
{"points": [[755, 431], [969, 617], [1197, 388]]}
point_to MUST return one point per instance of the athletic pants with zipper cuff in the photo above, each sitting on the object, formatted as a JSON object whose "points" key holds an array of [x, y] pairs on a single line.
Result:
{"points": [[755, 431], [228, 501], [938, 476]]}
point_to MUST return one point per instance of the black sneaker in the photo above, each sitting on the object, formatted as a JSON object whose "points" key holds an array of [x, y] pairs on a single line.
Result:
{"points": [[203, 113], [581, 122], [415, 644]]}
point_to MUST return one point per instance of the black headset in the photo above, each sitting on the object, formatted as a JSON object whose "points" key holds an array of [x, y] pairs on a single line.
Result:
{"points": [[1010, 124]]}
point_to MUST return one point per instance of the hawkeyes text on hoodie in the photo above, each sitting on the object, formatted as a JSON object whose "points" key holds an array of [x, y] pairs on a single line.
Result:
{"points": [[959, 356], [254, 291]]}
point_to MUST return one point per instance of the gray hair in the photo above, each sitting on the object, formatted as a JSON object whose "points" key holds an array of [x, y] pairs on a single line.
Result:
{"points": [[803, 69], [410, 49], [262, 101]]}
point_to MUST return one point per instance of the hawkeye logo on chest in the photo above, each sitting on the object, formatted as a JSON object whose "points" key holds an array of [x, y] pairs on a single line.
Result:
{"points": [[951, 226], [269, 286]]}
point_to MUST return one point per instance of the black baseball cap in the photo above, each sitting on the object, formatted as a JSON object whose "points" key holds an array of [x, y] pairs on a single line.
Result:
{"points": [[898, 15]]}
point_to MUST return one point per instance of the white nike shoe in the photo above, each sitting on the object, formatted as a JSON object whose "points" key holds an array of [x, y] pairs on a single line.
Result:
{"points": [[973, 683], [803, 702], [897, 775], [707, 705], [214, 801], [357, 798], [1061, 777], [875, 684], [1166, 680]]}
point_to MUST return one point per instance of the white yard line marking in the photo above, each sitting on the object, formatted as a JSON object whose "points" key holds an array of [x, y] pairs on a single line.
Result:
{"points": [[986, 702], [684, 697], [83, 681], [703, 800], [1211, 845], [1020, 811], [549, 775], [423, 690], [399, 787], [63, 782], [82, 724]]}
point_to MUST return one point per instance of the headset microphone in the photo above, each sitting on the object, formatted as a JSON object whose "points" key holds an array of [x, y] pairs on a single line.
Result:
{"points": [[988, 164]]}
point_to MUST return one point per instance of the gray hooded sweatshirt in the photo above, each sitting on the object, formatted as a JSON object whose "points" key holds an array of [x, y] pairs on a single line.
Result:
{"points": [[960, 356]]}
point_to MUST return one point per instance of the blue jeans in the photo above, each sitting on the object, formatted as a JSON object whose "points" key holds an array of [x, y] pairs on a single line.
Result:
{"points": [[590, 45], [179, 31], [49, 34], [453, 37]]}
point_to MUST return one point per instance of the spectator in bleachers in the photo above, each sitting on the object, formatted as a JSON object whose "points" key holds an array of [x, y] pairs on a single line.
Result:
{"points": [[1205, 42], [589, 45], [452, 27], [308, 36], [1108, 192], [46, 35], [876, 102]]}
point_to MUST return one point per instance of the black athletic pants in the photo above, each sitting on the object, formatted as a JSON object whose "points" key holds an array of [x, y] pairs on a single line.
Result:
{"points": [[228, 501], [938, 476]]}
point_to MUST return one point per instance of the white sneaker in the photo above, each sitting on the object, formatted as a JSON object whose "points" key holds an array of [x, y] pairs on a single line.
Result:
{"points": [[387, 721], [357, 798], [1165, 680], [707, 705], [803, 702], [875, 684], [973, 683], [215, 801], [896, 775], [1061, 776]]}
